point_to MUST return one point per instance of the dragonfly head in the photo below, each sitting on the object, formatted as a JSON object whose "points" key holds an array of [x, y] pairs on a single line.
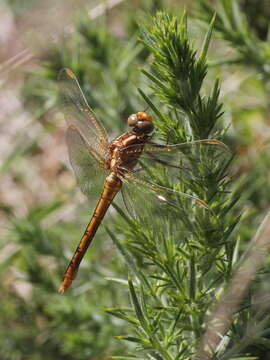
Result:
{"points": [[141, 123]]}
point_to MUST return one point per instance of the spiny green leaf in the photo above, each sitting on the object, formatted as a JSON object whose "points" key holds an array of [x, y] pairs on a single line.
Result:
{"points": [[120, 315], [134, 339], [207, 39], [152, 106], [137, 306]]}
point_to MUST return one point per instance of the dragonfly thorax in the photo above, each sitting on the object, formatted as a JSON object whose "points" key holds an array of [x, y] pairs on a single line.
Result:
{"points": [[141, 123]]}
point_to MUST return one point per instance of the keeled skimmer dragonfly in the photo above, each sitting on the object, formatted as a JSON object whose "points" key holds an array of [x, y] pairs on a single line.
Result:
{"points": [[123, 164]]}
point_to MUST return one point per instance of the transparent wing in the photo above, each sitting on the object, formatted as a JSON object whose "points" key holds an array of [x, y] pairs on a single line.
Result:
{"points": [[77, 112], [165, 195], [166, 180], [168, 165], [88, 165], [156, 207]]}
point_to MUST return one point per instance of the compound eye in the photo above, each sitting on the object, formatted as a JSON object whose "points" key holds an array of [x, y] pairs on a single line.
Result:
{"points": [[145, 126], [132, 120], [143, 116]]}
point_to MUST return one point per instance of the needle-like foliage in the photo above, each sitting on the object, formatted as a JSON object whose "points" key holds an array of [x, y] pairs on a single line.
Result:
{"points": [[240, 30], [180, 259]]}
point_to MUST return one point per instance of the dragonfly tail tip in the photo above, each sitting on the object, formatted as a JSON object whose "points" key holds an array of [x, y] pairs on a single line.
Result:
{"points": [[63, 287]]}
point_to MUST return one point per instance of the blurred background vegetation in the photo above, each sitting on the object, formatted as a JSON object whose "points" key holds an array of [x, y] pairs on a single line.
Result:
{"points": [[42, 212]]}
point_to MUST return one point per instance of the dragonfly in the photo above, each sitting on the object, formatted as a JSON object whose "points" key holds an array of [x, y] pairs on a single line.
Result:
{"points": [[126, 164]]}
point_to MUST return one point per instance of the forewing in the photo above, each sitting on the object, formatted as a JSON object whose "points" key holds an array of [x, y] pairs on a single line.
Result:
{"points": [[78, 112], [88, 166], [166, 182], [190, 162]]}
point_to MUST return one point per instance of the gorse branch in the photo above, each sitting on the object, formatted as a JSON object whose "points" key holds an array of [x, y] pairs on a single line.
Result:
{"points": [[177, 73], [182, 254]]}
